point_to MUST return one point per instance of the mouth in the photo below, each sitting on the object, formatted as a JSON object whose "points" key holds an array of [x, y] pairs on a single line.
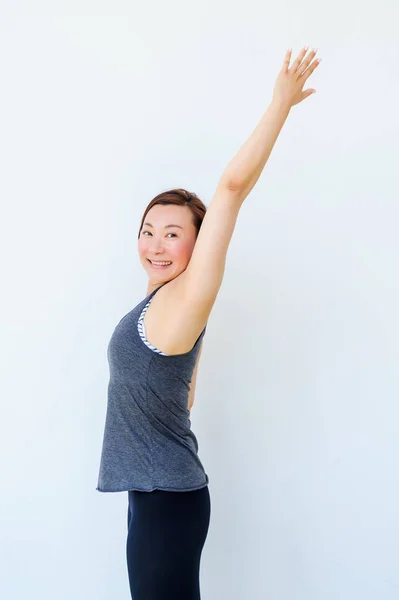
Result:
{"points": [[161, 265]]}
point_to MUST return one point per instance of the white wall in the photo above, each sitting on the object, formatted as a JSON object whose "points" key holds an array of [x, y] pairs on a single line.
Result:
{"points": [[102, 106]]}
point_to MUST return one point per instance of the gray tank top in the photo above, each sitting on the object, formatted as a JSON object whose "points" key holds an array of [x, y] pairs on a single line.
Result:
{"points": [[148, 443]]}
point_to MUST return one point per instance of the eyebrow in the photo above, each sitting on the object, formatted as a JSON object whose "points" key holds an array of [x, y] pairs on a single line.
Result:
{"points": [[166, 226]]}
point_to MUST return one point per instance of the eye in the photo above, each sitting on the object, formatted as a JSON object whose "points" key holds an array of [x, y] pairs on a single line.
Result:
{"points": [[143, 232]]}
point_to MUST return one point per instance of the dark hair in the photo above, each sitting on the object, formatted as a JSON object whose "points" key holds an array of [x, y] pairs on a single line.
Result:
{"points": [[180, 197]]}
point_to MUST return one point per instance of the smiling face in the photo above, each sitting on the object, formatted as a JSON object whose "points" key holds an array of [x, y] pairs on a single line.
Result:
{"points": [[168, 235]]}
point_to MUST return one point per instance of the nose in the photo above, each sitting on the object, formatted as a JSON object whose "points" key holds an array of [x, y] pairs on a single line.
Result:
{"points": [[156, 246]]}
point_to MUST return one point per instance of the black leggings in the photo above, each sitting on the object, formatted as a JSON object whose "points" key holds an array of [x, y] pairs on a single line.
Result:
{"points": [[166, 534]]}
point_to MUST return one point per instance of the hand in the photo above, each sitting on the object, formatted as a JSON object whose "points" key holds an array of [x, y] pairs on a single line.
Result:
{"points": [[289, 84]]}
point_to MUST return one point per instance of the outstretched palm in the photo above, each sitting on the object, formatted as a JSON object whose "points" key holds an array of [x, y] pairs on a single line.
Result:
{"points": [[290, 82]]}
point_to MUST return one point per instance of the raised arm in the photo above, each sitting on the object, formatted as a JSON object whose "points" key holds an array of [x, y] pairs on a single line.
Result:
{"points": [[204, 273], [244, 170]]}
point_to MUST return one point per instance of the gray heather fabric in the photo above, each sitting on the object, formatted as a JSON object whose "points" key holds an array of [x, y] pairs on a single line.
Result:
{"points": [[148, 442]]}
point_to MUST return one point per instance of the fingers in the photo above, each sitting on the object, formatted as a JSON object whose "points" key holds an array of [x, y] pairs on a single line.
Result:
{"points": [[301, 65], [303, 77], [287, 59], [304, 65], [299, 58]]}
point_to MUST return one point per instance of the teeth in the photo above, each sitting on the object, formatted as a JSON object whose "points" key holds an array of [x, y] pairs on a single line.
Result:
{"points": [[160, 263]]}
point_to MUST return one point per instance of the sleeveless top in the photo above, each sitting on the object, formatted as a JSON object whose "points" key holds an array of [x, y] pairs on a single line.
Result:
{"points": [[148, 443]]}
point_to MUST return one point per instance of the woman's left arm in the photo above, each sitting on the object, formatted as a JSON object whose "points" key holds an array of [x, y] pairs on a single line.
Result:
{"points": [[244, 170]]}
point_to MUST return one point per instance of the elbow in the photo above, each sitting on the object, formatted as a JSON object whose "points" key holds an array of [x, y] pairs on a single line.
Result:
{"points": [[235, 188], [231, 184]]}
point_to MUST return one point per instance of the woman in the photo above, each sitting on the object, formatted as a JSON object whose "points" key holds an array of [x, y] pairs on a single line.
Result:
{"points": [[149, 449]]}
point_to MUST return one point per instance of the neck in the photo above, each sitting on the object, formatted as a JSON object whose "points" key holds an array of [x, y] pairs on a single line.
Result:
{"points": [[151, 287]]}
